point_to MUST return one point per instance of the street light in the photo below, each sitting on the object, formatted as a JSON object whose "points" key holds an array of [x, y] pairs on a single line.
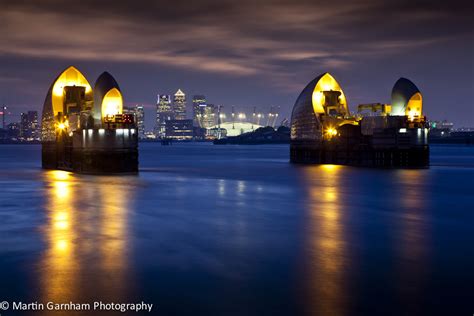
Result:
{"points": [[331, 132], [63, 125]]}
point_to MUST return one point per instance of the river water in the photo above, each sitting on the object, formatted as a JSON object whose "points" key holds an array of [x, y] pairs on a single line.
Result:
{"points": [[237, 230]]}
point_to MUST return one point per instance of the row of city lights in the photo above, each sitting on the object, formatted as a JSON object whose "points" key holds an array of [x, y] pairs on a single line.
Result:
{"points": [[239, 115]]}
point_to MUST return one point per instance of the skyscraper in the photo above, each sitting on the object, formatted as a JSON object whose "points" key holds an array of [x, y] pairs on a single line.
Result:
{"points": [[204, 115], [33, 125], [209, 116], [140, 120], [199, 103], [24, 133], [164, 113], [179, 105], [29, 127]]}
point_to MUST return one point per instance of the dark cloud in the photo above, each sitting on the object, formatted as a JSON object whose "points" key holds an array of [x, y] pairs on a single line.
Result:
{"points": [[266, 50]]}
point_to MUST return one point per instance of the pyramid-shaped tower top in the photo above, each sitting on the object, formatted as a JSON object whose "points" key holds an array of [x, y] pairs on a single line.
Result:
{"points": [[179, 93]]}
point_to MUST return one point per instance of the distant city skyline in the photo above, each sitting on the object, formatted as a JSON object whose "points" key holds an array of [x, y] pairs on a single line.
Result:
{"points": [[148, 114]]}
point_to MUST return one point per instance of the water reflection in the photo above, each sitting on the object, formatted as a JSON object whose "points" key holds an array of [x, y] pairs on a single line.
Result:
{"points": [[327, 244], [60, 267], [113, 228], [412, 238], [86, 234], [221, 187]]}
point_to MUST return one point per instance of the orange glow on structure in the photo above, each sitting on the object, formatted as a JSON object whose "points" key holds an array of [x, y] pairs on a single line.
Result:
{"points": [[69, 77], [112, 103], [63, 125], [331, 132], [414, 107], [327, 83]]}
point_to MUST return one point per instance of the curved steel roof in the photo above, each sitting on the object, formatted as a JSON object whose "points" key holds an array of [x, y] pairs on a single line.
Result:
{"points": [[103, 84], [402, 92], [310, 104], [53, 102], [304, 122]]}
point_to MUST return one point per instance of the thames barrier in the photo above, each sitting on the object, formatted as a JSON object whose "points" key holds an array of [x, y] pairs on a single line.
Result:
{"points": [[323, 131], [84, 130]]}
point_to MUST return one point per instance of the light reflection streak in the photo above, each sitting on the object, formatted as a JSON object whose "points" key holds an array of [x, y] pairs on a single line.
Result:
{"points": [[86, 232], [411, 242], [60, 265], [327, 288], [114, 237], [240, 186], [221, 187]]}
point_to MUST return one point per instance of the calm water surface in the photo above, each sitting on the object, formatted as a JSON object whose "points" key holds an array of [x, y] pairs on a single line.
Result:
{"points": [[237, 230]]}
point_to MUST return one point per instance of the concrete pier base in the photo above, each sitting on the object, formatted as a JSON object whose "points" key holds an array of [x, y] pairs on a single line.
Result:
{"points": [[416, 157], [94, 151]]}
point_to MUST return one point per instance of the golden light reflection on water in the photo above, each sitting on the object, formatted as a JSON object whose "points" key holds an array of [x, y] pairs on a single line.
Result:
{"points": [[327, 245], [86, 233], [59, 263]]}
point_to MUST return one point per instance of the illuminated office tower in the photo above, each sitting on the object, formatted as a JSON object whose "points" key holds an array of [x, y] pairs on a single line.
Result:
{"points": [[164, 113], [199, 104], [209, 116], [33, 125], [24, 133], [140, 120], [29, 127], [179, 105], [204, 115]]}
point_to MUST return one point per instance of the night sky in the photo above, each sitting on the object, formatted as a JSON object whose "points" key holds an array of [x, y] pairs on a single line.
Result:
{"points": [[242, 53]]}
